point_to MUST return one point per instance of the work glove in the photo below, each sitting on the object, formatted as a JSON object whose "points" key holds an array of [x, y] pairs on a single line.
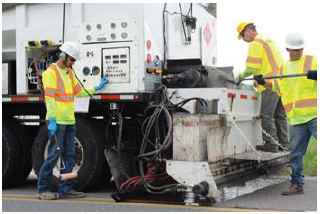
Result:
{"points": [[312, 75], [103, 82], [259, 79], [237, 79], [52, 127], [239, 76]]}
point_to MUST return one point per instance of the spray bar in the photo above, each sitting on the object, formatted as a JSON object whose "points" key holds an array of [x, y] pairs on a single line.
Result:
{"points": [[279, 77]]}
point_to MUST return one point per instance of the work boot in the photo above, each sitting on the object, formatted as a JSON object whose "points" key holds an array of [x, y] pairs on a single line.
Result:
{"points": [[47, 196], [294, 189], [73, 194], [268, 147]]}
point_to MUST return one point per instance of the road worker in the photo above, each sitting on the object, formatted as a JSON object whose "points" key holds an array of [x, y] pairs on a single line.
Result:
{"points": [[299, 97], [60, 88], [264, 57]]}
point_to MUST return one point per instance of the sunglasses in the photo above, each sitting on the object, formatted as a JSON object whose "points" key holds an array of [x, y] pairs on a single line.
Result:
{"points": [[296, 50]]}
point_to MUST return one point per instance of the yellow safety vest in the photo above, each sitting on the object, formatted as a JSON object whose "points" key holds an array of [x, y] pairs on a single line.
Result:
{"points": [[298, 94], [60, 88], [265, 57]]}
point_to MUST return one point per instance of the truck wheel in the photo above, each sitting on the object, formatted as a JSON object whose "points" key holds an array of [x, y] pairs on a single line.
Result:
{"points": [[10, 154], [104, 178], [25, 151], [88, 155]]}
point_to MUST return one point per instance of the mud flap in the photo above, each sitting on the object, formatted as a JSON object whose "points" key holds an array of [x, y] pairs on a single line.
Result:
{"points": [[192, 173], [122, 168]]}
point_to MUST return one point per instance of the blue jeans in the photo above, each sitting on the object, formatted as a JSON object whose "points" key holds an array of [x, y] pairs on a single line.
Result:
{"points": [[65, 136], [299, 140]]}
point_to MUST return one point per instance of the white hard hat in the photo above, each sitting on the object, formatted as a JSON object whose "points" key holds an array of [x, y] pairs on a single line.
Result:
{"points": [[72, 49], [294, 41]]}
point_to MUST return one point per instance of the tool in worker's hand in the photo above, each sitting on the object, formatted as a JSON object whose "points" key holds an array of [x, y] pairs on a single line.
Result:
{"points": [[65, 176], [277, 77]]}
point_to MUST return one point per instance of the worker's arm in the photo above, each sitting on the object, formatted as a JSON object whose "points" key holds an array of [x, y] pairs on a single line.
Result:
{"points": [[247, 72], [50, 88], [254, 60], [80, 92], [49, 84], [268, 85], [261, 81]]}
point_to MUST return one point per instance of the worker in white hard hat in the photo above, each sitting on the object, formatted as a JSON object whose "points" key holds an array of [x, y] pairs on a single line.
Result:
{"points": [[60, 88], [299, 97], [264, 57]]}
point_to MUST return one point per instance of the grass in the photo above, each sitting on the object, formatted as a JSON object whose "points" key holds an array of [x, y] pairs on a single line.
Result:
{"points": [[310, 159]]}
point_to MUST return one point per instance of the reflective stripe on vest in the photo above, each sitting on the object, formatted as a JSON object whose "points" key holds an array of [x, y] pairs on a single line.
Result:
{"points": [[62, 96], [267, 49], [301, 104], [254, 60], [281, 72], [288, 107], [50, 92], [275, 82], [307, 64], [77, 89]]}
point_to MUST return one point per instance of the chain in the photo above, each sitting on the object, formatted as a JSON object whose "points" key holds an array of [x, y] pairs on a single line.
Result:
{"points": [[274, 141], [242, 134]]}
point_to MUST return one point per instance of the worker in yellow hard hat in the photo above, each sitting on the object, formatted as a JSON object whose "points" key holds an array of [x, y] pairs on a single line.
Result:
{"points": [[299, 96], [264, 57], [61, 87]]}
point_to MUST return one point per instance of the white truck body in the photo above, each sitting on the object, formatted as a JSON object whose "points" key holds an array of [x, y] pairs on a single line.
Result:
{"points": [[143, 22]]}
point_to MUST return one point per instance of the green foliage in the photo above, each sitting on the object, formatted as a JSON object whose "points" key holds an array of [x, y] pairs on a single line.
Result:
{"points": [[310, 158]]}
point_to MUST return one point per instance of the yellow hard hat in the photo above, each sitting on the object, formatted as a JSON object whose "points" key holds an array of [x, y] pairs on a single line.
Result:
{"points": [[241, 27]]}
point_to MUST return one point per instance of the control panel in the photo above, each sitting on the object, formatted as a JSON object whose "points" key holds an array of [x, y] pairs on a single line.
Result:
{"points": [[111, 31], [116, 64]]}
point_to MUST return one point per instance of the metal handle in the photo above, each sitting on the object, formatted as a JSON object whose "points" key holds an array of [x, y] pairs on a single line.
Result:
{"points": [[58, 148], [279, 77]]}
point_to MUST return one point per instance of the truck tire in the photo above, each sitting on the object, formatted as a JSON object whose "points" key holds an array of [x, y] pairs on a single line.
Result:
{"points": [[104, 178], [24, 159], [88, 155], [10, 152]]}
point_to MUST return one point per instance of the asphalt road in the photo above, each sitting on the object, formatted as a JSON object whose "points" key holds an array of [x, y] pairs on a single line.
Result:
{"points": [[22, 199]]}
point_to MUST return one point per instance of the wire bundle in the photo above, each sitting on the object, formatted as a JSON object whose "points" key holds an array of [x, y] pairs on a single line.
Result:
{"points": [[164, 107]]}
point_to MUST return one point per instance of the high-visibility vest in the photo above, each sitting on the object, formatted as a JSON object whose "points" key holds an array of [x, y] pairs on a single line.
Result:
{"points": [[63, 91], [265, 57], [298, 95]]}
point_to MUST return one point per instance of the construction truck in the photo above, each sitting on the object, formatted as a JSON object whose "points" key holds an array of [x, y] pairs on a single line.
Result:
{"points": [[168, 121]]}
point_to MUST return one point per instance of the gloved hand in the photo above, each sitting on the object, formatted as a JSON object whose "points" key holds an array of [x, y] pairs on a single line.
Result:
{"points": [[312, 75], [259, 79], [239, 76], [238, 79], [103, 82], [52, 127]]}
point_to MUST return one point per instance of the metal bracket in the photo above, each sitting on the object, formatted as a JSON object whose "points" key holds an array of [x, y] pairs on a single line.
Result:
{"points": [[192, 173]]}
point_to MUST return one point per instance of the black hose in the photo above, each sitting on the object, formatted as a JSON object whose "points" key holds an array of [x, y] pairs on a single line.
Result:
{"points": [[163, 108], [147, 185], [63, 21], [120, 122], [184, 31]]}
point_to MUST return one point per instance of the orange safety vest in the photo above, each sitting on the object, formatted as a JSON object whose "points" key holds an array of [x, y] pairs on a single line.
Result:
{"points": [[63, 94], [273, 63], [299, 96], [60, 94]]}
